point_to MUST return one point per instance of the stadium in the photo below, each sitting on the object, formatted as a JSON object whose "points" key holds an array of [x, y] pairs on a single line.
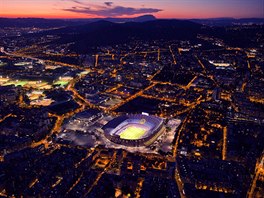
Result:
{"points": [[134, 130]]}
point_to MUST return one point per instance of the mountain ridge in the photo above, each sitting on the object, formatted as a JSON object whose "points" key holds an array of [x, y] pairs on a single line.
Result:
{"points": [[105, 32], [50, 23]]}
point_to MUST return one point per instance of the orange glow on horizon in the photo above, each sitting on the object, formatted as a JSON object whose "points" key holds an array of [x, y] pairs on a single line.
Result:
{"points": [[83, 16], [48, 16], [98, 9], [74, 16]]}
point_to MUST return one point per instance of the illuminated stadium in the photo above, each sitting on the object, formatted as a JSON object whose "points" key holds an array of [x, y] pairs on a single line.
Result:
{"points": [[134, 130]]}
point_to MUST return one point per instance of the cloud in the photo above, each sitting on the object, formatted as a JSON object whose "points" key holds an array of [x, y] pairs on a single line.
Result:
{"points": [[108, 3], [76, 1], [110, 11]]}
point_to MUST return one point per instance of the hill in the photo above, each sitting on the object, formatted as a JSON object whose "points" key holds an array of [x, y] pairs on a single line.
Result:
{"points": [[105, 32], [50, 23]]}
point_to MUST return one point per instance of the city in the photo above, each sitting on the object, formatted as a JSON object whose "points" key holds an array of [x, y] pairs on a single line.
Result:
{"points": [[131, 106]]}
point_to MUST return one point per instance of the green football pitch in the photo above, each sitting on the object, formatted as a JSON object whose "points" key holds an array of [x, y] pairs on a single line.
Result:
{"points": [[132, 133]]}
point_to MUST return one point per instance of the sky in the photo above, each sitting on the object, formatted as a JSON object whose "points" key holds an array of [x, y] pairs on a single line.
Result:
{"points": [[182, 9]]}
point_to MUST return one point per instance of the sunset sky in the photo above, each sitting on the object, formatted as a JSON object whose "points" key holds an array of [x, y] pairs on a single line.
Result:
{"points": [[131, 8]]}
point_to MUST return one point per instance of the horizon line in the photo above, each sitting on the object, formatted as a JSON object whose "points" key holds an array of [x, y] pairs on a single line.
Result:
{"points": [[129, 18]]}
